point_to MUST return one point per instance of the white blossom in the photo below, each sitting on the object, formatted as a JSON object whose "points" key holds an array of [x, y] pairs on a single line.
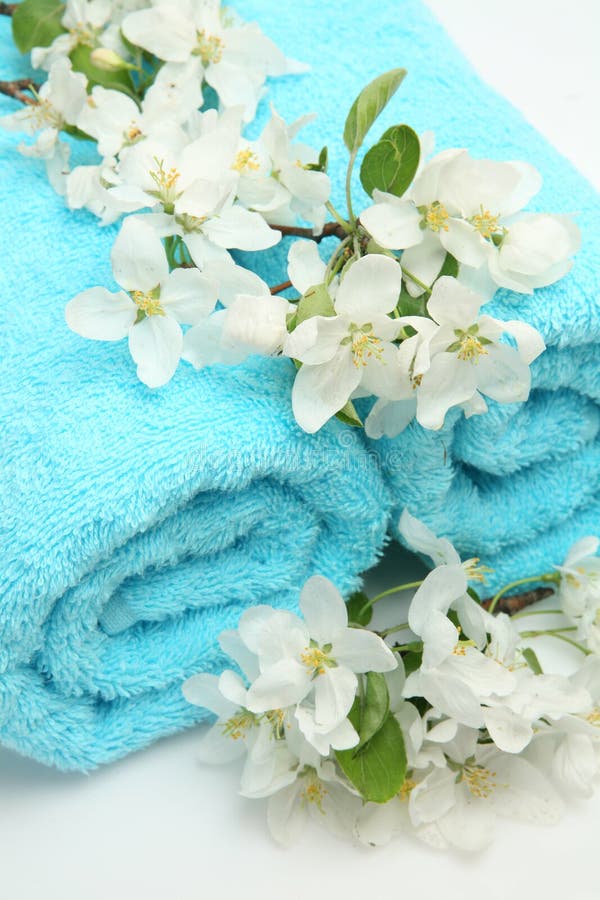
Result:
{"points": [[151, 307], [349, 349]]}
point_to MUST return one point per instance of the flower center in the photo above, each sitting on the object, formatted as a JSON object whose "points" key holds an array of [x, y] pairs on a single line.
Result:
{"points": [[313, 792], [435, 217], [475, 571], [246, 159], [278, 722], [133, 134], [315, 660], [485, 223], [479, 780], [364, 344], [470, 344], [593, 717], [407, 786], [148, 304], [238, 726], [85, 34], [43, 114], [209, 47], [166, 184]]}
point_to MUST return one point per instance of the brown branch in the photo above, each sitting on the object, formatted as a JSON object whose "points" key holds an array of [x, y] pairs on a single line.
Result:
{"points": [[515, 603], [16, 89], [281, 287], [330, 229], [7, 9]]}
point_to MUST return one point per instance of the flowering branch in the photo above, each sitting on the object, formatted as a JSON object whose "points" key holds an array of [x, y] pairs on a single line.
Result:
{"points": [[15, 88], [7, 9], [278, 288], [330, 229], [514, 604]]}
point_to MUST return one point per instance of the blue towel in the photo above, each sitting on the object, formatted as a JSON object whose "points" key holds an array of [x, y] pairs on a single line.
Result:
{"points": [[519, 485], [134, 525]]}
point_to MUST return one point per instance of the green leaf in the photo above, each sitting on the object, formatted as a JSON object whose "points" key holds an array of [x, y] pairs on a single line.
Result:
{"points": [[348, 415], [411, 306], [392, 163], [532, 661], [450, 267], [412, 661], [116, 80], [378, 770], [367, 106], [375, 707], [315, 302], [473, 593], [355, 605], [35, 23]]}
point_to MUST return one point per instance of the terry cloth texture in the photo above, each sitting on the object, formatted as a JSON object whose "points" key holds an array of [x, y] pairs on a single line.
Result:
{"points": [[136, 525], [519, 485]]}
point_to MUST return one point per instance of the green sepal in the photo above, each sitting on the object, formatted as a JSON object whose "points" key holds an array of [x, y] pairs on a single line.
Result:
{"points": [[36, 23], [348, 415], [315, 302], [355, 604], [321, 165], [392, 163], [532, 661], [368, 105], [412, 661]]}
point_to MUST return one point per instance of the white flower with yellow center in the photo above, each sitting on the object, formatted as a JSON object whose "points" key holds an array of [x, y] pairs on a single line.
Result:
{"points": [[233, 57], [316, 660], [276, 178], [470, 208], [457, 806], [466, 358], [351, 348], [150, 309], [58, 103]]}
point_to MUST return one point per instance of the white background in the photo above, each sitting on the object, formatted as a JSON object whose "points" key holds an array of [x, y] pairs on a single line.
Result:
{"points": [[158, 826]]}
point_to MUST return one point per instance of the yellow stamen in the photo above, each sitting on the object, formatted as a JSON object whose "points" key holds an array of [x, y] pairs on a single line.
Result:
{"points": [[246, 159], [364, 346], [479, 780], [238, 726], [407, 786], [315, 660], [471, 348], [314, 792], [148, 303], [485, 223], [593, 717], [209, 48], [436, 217]]}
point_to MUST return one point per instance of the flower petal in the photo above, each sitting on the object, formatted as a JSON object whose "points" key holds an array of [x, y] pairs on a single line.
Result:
{"points": [[305, 266], [188, 295], [323, 609], [362, 651], [285, 683], [155, 344], [320, 391], [101, 315], [394, 225], [335, 691], [138, 257], [370, 287]]}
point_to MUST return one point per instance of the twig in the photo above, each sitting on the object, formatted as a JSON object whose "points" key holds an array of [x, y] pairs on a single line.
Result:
{"points": [[330, 229], [7, 9], [517, 602], [281, 287], [15, 89]]}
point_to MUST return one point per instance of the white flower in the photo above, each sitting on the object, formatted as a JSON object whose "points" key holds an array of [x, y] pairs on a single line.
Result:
{"points": [[88, 187], [317, 658], [233, 57], [275, 178], [457, 806], [468, 207], [351, 348], [579, 590], [116, 121], [317, 793], [193, 187], [150, 308], [466, 359], [59, 102], [83, 21]]}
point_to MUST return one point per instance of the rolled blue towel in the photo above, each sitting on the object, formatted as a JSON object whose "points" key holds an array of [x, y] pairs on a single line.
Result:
{"points": [[136, 525], [519, 485]]}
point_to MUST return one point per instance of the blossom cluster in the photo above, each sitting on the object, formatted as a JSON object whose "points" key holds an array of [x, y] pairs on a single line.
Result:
{"points": [[394, 314], [438, 735]]}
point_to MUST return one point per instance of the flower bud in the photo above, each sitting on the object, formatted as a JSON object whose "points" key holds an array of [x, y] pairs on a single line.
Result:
{"points": [[108, 60]]}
